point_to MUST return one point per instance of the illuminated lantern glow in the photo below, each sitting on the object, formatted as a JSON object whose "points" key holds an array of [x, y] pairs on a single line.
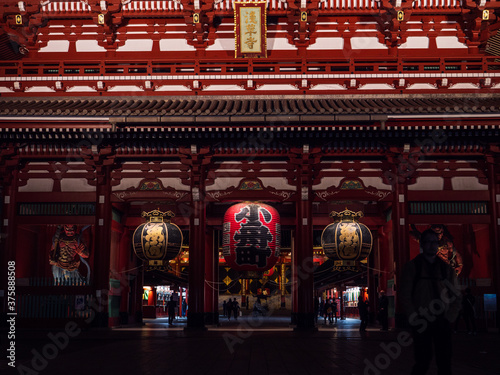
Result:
{"points": [[157, 241], [251, 238], [346, 240]]}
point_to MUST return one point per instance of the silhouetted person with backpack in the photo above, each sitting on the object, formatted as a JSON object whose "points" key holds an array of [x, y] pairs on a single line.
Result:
{"points": [[229, 308], [363, 306], [429, 294], [383, 311], [171, 306], [236, 308]]}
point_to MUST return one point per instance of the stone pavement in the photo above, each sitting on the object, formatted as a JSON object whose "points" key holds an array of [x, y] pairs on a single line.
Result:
{"points": [[263, 345]]}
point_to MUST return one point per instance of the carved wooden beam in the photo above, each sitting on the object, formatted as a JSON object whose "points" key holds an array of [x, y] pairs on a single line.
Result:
{"points": [[199, 17], [302, 17], [9, 161]]}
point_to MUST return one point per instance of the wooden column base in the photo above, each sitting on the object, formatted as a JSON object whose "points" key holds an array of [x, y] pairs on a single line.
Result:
{"points": [[195, 321], [304, 322], [212, 318]]}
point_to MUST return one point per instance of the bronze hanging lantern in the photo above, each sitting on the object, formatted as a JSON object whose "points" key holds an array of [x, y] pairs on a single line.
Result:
{"points": [[346, 240], [157, 241]]}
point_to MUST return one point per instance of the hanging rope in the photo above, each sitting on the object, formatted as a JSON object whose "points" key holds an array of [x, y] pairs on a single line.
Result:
{"points": [[327, 270], [374, 269], [221, 289], [135, 268]]}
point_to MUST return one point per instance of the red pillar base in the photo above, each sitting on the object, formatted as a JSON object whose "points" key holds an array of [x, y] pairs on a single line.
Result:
{"points": [[304, 322], [195, 321], [212, 318]]}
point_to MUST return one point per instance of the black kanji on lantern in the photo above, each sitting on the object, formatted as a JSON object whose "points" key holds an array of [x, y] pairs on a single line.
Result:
{"points": [[253, 237]]}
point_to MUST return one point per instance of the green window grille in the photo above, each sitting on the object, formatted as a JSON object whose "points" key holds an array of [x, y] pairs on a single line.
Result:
{"points": [[449, 208], [56, 209]]}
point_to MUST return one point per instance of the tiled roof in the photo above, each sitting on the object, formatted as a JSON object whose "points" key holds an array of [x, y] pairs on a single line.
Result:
{"points": [[9, 50], [224, 109]]}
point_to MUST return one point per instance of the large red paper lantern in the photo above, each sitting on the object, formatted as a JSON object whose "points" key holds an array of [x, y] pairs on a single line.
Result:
{"points": [[251, 238]]}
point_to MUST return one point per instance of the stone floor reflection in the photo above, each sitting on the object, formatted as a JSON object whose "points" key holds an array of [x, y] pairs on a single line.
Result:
{"points": [[263, 345]]}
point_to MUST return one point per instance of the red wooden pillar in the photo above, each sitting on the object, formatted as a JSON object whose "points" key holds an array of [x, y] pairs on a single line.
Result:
{"points": [[303, 264], [302, 251], [102, 244], [123, 255], [342, 308], [138, 294], [372, 282], [245, 283], [211, 285], [152, 297], [196, 160], [215, 277], [400, 231], [195, 316]]}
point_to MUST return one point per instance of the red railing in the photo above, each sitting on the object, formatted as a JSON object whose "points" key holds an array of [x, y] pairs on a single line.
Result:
{"points": [[57, 69], [250, 74]]}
